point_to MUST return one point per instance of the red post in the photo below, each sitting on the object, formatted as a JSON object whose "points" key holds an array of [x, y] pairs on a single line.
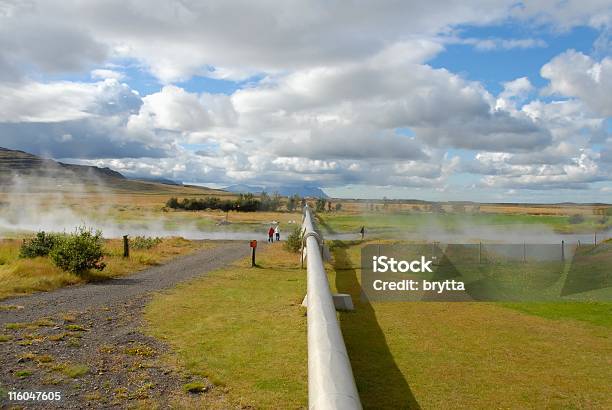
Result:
{"points": [[253, 245]]}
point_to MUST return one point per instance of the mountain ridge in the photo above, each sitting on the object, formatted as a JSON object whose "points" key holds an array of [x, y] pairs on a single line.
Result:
{"points": [[283, 190]]}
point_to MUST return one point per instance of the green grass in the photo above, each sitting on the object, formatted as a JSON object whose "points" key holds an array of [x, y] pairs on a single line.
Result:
{"points": [[22, 374], [242, 327], [376, 222], [468, 355], [72, 370], [195, 387], [597, 313]]}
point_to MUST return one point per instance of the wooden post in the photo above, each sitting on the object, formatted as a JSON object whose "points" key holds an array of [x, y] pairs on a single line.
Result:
{"points": [[126, 247], [562, 250], [595, 238], [253, 257]]}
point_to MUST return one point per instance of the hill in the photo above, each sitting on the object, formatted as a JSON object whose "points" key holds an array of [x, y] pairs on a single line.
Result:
{"points": [[37, 174], [13, 162]]}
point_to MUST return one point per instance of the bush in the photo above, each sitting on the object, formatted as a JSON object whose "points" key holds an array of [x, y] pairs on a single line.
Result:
{"points": [[294, 240], [576, 219], [144, 242], [79, 251], [321, 204], [40, 245], [172, 203]]}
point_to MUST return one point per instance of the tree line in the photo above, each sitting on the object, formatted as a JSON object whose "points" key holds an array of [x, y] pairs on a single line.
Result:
{"points": [[244, 203]]}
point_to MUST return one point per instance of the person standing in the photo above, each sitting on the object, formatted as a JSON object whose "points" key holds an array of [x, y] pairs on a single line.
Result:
{"points": [[271, 234], [362, 232], [277, 232]]}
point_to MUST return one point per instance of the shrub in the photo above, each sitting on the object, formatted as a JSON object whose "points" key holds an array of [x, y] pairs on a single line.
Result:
{"points": [[172, 203], [321, 204], [576, 219], [144, 242], [79, 251], [294, 240], [40, 245]]}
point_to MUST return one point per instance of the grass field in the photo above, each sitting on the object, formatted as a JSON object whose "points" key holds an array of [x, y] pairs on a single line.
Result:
{"points": [[378, 223], [25, 276], [243, 328]]}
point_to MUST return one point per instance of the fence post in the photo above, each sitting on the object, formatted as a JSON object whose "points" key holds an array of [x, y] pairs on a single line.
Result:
{"points": [[563, 250], [126, 246]]}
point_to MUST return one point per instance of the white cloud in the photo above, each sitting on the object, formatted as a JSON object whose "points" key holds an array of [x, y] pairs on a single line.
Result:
{"points": [[577, 173], [335, 83], [103, 74], [575, 74], [177, 39], [490, 44], [62, 100]]}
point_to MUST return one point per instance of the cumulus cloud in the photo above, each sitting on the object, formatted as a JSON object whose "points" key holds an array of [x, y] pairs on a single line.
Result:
{"points": [[63, 100], [576, 173], [73, 120], [339, 93], [177, 39], [575, 74]]}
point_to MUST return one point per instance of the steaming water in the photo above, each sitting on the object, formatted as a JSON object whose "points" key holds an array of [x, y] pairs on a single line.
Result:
{"points": [[532, 234], [23, 212]]}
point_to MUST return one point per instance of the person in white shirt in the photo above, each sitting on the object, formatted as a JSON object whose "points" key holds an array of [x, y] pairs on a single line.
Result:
{"points": [[277, 232]]}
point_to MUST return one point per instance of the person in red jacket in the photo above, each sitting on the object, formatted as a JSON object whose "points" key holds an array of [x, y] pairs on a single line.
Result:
{"points": [[271, 234]]}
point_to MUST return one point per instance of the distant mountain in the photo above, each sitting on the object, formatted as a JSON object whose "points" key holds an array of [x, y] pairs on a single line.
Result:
{"points": [[159, 180], [245, 189], [284, 190], [13, 162]]}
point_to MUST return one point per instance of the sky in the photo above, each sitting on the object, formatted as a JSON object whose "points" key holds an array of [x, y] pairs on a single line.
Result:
{"points": [[498, 101]]}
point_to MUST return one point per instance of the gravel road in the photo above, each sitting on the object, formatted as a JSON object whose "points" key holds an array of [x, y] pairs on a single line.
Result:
{"points": [[86, 341]]}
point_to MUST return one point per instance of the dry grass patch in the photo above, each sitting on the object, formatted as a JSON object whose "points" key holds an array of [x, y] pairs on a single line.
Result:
{"points": [[25, 276]]}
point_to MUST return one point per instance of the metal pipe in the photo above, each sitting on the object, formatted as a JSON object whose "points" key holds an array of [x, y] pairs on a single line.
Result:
{"points": [[331, 384]]}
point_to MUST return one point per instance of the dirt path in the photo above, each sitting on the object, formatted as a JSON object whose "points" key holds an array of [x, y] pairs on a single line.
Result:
{"points": [[86, 341]]}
